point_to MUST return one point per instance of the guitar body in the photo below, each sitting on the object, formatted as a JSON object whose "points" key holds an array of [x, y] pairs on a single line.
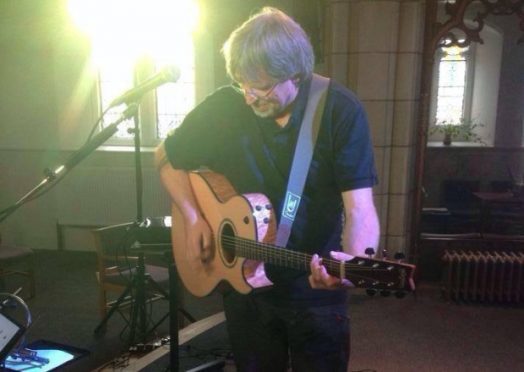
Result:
{"points": [[248, 216]]}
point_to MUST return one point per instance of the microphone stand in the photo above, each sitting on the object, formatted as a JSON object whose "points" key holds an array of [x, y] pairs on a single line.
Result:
{"points": [[138, 169], [138, 313], [140, 279], [72, 161]]}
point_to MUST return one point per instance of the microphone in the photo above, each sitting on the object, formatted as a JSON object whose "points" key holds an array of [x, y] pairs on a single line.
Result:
{"points": [[168, 74]]}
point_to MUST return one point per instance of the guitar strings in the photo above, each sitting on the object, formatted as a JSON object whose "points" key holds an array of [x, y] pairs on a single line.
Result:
{"points": [[264, 250], [268, 250]]}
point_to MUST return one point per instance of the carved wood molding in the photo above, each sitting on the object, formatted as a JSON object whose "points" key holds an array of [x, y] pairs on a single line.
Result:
{"points": [[446, 33]]}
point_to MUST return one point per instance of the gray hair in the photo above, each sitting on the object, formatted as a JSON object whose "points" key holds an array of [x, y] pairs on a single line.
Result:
{"points": [[272, 42]]}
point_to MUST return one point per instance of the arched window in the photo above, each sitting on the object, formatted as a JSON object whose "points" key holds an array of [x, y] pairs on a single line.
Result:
{"points": [[466, 85], [452, 82]]}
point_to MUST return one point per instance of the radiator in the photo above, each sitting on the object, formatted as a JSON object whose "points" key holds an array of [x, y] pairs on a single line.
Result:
{"points": [[483, 276]]}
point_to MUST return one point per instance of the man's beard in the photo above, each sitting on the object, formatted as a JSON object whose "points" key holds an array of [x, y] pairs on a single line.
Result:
{"points": [[271, 110]]}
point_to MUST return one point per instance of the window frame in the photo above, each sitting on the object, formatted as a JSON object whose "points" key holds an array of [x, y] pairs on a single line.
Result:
{"points": [[469, 56], [147, 115]]}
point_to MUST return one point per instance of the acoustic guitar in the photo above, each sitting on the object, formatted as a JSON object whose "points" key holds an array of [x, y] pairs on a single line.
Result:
{"points": [[244, 227]]}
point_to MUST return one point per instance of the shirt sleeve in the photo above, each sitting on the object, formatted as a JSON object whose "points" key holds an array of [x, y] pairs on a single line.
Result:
{"points": [[353, 151], [198, 140]]}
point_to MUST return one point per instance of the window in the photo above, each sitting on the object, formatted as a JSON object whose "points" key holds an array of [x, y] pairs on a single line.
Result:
{"points": [[466, 85], [160, 111], [451, 87], [130, 41], [174, 101]]}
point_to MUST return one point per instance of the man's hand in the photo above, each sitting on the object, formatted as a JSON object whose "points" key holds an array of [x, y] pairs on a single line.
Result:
{"points": [[199, 236], [319, 277], [199, 242]]}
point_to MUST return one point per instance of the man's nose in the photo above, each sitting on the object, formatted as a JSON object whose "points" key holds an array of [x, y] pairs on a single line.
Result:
{"points": [[250, 98]]}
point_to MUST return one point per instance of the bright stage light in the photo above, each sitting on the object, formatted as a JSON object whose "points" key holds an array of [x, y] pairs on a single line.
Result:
{"points": [[128, 29]]}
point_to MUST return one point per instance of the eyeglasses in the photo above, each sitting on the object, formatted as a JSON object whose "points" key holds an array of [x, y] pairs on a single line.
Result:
{"points": [[251, 92]]}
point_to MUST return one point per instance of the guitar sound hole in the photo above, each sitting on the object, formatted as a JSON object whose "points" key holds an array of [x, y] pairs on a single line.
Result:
{"points": [[228, 243]]}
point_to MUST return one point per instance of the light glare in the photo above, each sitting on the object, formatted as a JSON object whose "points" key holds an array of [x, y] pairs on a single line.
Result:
{"points": [[132, 28]]}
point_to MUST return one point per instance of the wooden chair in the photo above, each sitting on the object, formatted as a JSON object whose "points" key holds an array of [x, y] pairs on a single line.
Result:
{"points": [[117, 260], [17, 260], [463, 205]]}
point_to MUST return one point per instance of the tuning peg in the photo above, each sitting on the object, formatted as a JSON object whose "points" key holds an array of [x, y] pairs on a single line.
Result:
{"points": [[370, 252], [385, 293], [371, 292], [400, 294], [399, 256]]}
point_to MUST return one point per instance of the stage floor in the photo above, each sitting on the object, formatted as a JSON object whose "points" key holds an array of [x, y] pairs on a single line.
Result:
{"points": [[203, 346]]}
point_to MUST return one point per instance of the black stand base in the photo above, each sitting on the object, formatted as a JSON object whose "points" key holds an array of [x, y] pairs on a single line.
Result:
{"points": [[173, 320], [136, 292]]}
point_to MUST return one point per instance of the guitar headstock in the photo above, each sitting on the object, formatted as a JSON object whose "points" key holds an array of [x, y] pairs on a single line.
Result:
{"points": [[383, 276]]}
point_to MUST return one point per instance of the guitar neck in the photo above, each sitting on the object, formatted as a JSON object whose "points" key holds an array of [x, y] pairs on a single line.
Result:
{"points": [[271, 254], [287, 258], [362, 272]]}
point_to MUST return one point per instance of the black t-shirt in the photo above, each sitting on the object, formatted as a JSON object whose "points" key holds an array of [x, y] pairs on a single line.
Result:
{"points": [[255, 155]]}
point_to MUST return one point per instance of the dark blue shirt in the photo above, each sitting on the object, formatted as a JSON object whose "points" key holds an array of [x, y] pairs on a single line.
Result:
{"points": [[255, 155]]}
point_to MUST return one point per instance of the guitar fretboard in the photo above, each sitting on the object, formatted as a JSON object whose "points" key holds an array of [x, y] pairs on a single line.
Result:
{"points": [[358, 270], [267, 253]]}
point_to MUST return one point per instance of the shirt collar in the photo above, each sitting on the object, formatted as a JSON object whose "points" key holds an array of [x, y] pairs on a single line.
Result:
{"points": [[300, 103]]}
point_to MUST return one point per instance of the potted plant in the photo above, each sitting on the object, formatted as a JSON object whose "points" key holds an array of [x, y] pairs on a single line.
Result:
{"points": [[463, 129]]}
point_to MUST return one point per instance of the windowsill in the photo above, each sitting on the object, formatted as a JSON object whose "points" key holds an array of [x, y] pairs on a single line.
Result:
{"points": [[456, 144], [109, 148]]}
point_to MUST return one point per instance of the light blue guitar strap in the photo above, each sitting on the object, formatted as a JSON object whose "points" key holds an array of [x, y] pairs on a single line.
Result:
{"points": [[307, 138]]}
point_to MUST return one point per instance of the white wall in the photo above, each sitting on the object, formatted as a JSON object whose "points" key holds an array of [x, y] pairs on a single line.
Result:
{"points": [[488, 57]]}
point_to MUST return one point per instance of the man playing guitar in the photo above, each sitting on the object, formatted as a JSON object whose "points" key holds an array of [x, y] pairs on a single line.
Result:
{"points": [[247, 132]]}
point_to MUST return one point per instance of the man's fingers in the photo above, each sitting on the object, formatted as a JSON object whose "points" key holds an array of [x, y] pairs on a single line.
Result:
{"points": [[320, 278], [206, 249], [341, 256], [316, 267]]}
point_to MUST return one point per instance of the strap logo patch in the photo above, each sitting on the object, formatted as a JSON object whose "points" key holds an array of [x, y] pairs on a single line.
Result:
{"points": [[291, 205]]}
